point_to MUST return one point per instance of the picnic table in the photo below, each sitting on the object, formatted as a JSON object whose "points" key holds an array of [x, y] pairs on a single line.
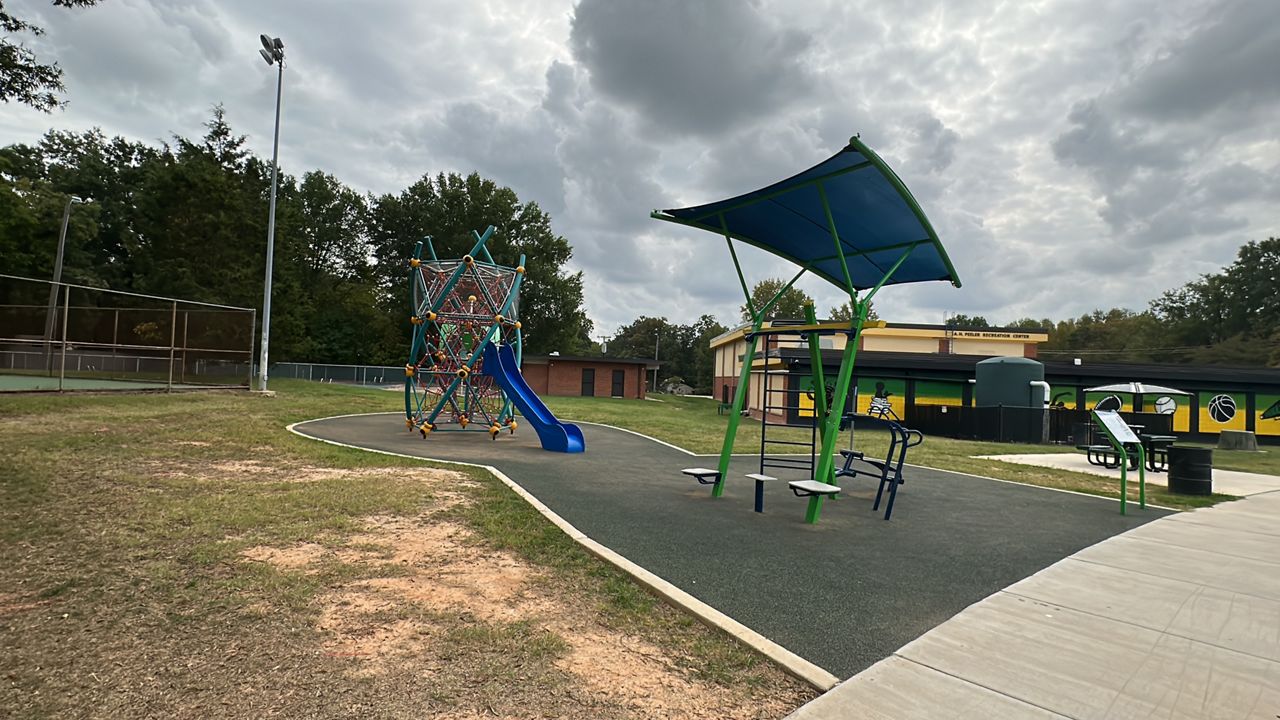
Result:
{"points": [[1155, 448]]}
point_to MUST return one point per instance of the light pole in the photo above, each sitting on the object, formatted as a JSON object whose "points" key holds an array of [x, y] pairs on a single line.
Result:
{"points": [[57, 278], [273, 52]]}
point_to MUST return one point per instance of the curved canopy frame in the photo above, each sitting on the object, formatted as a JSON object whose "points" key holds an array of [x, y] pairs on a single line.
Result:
{"points": [[849, 220]]}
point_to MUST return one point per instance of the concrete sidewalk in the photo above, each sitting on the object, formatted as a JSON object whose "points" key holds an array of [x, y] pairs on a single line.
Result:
{"points": [[1228, 482], [1179, 618]]}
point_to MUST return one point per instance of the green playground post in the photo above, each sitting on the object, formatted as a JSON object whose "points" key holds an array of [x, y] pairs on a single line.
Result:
{"points": [[744, 377], [816, 375], [830, 423], [825, 472], [777, 223], [735, 416], [742, 280]]}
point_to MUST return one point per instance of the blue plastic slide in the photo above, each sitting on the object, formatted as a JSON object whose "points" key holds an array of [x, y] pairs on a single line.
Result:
{"points": [[556, 436]]}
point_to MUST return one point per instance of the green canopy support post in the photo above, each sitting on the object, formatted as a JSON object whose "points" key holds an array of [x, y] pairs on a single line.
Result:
{"points": [[825, 472], [842, 220], [744, 377], [830, 423], [816, 374], [741, 279], [735, 416]]}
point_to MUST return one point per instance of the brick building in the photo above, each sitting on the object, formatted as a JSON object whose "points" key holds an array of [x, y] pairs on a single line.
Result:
{"points": [[587, 376]]}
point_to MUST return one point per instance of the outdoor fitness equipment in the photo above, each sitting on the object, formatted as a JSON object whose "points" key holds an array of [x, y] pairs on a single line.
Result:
{"points": [[852, 222], [464, 359]]}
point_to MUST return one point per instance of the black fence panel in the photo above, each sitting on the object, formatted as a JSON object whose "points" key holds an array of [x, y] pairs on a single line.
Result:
{"points": [[1022, 424]]}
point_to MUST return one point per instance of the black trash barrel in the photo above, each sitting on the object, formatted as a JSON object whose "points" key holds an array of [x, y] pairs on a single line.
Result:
{"points": [[1190, 470]]}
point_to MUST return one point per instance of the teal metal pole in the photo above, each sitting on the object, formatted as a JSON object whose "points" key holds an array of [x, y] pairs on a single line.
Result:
{"points": [[457, 273], [453, 384]]}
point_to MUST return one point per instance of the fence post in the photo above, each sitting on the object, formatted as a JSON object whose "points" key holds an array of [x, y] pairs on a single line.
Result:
{"points": [[173, 341], [253, 327], [62, 364], [186, 317]]}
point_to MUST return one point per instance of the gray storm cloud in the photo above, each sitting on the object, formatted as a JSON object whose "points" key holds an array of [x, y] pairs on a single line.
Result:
{"points": [[1049, 143]]}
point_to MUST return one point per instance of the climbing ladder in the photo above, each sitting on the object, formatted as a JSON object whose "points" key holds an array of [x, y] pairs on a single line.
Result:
{"points": [[775, 452]]}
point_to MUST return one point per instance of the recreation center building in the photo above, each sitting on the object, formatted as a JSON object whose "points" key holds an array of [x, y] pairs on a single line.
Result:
{"points": [[920, 372]]}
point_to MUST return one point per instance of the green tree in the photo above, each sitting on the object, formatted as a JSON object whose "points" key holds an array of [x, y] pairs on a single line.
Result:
{"points": [[965, 321], [449, 208], [844, 312], [646, 337], [105, 175], [684, 350], [1237, 308], [701, 371], [23, 78], [789, 307], [1030, 323]]}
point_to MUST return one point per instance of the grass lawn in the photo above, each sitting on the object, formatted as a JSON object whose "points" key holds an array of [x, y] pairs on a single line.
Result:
{"points": [[184, 556], [692, 423]]}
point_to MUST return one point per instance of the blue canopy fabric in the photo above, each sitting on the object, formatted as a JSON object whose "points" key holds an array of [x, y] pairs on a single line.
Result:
{"points": [[874, 215]]}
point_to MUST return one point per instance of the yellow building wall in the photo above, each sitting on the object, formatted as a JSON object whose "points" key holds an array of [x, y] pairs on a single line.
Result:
{"points": [[882, 343], [986, 347], [1230, 404]]}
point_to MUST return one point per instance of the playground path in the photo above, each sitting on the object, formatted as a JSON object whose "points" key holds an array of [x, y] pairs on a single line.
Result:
{"points": [[844, 593], [1229, 482], [1179, 618]]}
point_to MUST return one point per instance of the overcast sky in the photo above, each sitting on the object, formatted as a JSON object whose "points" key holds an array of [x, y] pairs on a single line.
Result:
{"points": [[1071, 154]]}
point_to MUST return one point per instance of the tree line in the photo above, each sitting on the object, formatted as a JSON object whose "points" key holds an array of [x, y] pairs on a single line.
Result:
{"points": [[1231, 317], [188, 219]]}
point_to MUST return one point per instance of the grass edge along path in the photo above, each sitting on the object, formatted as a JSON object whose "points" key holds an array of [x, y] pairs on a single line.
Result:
{"points": [[130, 579]]}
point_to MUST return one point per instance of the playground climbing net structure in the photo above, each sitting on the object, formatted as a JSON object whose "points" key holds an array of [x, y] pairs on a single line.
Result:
{"points": [[460, 306]]}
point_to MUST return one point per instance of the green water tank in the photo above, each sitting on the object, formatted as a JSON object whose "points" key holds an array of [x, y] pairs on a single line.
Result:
{"points": [[1007, 381]]}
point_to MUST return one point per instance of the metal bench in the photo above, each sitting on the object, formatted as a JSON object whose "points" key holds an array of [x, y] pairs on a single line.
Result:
{"points": [[760, 479], [706, 476], [888, 471], [809, 488]]}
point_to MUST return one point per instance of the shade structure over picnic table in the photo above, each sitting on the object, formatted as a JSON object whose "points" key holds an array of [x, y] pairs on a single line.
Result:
{"points": [[1137, 388]]}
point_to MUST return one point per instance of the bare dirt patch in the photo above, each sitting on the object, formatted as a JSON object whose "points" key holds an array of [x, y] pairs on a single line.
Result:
{"points": [[297, 557], [402, 623]]}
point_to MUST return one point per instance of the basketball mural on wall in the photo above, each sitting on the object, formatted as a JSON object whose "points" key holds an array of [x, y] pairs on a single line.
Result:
{"points": [[1222, 408]]}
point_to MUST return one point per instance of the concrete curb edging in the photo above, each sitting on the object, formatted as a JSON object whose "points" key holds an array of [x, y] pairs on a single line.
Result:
{"points": [[791, 663]]}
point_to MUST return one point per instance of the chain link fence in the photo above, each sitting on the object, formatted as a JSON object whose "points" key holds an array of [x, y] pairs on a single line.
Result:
{"points": [[381, 375], [60, 336]]}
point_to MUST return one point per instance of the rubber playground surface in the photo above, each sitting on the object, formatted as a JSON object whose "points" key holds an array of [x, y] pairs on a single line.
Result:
{"points": [[842, 594]]}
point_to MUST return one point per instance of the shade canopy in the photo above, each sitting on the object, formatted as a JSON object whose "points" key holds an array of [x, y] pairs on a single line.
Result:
{"points": [[851, 206], [1137, 388]]}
